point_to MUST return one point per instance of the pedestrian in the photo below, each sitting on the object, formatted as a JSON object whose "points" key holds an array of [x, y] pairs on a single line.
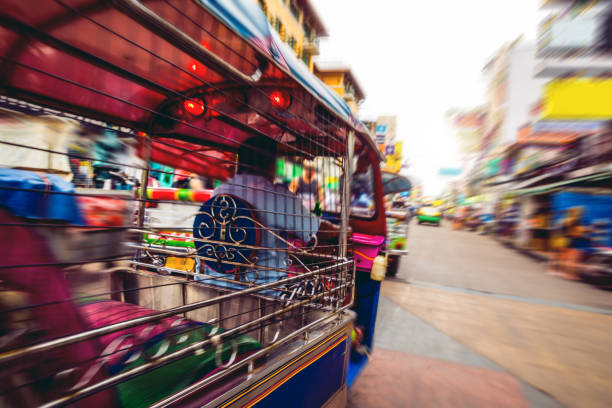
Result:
{"points": [[570, 242]]}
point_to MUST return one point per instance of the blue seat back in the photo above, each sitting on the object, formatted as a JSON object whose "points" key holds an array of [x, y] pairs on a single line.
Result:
{"points": [[226, 230]]}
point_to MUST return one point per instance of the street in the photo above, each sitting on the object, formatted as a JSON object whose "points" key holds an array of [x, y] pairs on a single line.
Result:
{"points": [[469, 322]]}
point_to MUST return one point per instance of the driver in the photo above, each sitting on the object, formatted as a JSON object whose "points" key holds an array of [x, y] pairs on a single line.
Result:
{"points": [[307, 186], [276, 207]]}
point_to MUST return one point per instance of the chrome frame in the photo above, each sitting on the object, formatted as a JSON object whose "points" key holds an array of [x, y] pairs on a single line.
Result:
{"points": [[308, 290]]}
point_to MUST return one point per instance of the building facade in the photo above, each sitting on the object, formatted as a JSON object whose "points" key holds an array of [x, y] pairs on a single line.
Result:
{"points": [[297, 24], [512, 90], [341, 79], [546, 145], [388, 143]]}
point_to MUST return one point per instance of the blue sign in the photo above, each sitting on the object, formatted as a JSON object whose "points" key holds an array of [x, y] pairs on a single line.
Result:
{"points": [[381, 129], [449, 171]]}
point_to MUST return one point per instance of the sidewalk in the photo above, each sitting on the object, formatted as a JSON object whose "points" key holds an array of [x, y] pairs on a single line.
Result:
{"points": [[416, 365], [561, 351]]}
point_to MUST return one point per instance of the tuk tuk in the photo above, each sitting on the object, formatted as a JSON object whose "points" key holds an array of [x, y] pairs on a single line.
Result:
{"points": [[398, 219], [188, 216]]}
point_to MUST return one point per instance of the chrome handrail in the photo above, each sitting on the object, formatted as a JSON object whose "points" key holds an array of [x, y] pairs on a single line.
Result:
{"points": [[176, 355], [14, 354], [247, 361]]}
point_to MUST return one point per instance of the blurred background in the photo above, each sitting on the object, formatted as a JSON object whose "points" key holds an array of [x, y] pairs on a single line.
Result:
{"points": [[499, 113], [499, 116]]}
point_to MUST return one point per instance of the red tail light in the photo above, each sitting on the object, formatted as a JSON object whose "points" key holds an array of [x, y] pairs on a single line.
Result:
{"points": [[194, 106], [280, 99]]}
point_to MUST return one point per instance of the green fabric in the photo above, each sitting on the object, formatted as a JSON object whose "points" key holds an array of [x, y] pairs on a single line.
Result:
{"points": [[146, 389], [168, 242]]}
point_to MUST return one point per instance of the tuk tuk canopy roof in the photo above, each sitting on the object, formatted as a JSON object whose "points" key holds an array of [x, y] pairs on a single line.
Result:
{"points": [[133, 63], [395, 183], [247, 19]]}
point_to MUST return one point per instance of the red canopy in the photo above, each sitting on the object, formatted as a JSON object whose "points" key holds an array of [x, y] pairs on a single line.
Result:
{"points": [[137, 64]]}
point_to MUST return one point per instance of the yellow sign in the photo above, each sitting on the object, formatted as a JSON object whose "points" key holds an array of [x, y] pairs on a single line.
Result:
{"points": [[393, 164], [578, 98], [183, 264]]}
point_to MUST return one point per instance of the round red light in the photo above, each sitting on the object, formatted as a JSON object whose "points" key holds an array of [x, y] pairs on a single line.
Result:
{"points": [[280, 99], [194, 106]]}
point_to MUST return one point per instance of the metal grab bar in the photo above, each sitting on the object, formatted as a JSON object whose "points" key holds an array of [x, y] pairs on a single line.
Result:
{"points": [[185, 392], [170, 33], [174, 356], [89, 334]]}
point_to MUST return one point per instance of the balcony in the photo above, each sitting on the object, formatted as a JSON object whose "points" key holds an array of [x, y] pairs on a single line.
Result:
{"points": [[570, 45], [584, 66], [311, 45], [349, 92]]}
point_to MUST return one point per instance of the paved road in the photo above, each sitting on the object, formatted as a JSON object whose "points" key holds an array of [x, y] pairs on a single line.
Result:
{"points": [[466, 260], [471, 323]]}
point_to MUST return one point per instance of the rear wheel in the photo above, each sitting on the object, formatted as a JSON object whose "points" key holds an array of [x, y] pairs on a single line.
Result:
{"points": [[392, 265]]}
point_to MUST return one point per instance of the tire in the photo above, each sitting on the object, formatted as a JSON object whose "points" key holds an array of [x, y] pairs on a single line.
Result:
{"points": [[392, 266]]}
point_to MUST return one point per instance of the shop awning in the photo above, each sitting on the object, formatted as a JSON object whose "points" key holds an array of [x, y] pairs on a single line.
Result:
{"points": [[531, 181], [589, 180], [473, 200], [394, 183]]}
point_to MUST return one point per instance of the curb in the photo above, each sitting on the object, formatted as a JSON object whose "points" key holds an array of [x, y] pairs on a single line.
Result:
{"points": [[525, 252]]}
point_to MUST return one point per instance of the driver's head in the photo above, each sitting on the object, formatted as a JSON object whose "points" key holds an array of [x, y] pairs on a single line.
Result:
{"points": [[257, 155]]}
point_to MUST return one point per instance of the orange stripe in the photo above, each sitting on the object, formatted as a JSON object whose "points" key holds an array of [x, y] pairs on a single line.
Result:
{"points": [[281, 368], [361, 254], [293, 373]]}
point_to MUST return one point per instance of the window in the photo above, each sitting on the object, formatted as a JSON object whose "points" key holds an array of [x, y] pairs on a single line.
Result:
{"points": [[348, 88], [316, 181], [363, 203], [291, 42], [308, 32], [294, 10], [321, 188], [263, 6], [281, 30]]}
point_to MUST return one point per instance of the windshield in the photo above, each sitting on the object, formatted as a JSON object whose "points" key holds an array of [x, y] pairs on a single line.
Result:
{"points": [[316, 181]]}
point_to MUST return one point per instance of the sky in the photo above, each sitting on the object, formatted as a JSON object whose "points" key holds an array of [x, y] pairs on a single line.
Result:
{"points": [[418, 59]]}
